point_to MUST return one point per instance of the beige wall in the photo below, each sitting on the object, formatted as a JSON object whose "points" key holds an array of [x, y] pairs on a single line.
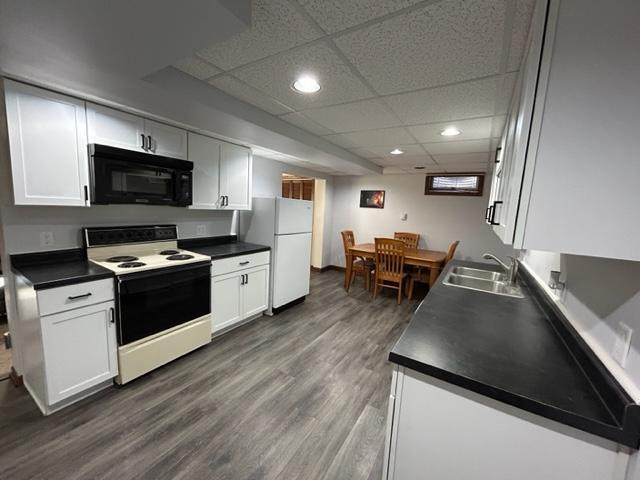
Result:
{"points": [[438, 219]]}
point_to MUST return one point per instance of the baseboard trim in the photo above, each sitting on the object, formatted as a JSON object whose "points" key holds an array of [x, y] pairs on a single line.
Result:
{"points": [[327, 268], [15, 378]]}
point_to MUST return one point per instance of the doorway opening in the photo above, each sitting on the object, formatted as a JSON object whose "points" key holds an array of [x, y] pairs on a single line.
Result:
{"points": [[5, 352], [314, 190]]}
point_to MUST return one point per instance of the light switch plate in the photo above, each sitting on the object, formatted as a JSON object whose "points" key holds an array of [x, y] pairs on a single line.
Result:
{"points": [[622, 343], [201, 230], [46, 239]]}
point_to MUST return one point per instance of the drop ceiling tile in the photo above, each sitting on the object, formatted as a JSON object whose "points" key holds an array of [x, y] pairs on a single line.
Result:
{"points": [[276, 25], [299, 120], [467, 168], [461, 158], [336, 15], [477, 128], [352, 117], [379, 137], [505, 92], [393, 171], [498, 125], [197, 68], [519, 33], [412, 160], [339, 140], [364, 153], [275, 75], [464, 146], [448, 41], [384, 162], [409, 151], [236, 88], [464, 100]]}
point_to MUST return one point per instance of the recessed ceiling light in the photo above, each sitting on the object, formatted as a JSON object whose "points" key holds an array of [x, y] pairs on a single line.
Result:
{"points": [[450, 132], [396, 151], [306, 84]]}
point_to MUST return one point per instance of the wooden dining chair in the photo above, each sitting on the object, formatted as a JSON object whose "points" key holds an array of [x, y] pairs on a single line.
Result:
{"points": [[389, 265], [410, 239], [360, 266], [422, 276]]}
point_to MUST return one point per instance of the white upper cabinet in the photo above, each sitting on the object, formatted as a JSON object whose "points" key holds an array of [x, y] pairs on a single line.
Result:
{"points": [[107, 126], [166, 140], [48, 146], [204, 152], [570, 143], [584, 174], [235, 176]]}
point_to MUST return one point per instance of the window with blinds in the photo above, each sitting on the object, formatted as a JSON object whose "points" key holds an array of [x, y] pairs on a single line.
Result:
{"points": [[455, 184]]}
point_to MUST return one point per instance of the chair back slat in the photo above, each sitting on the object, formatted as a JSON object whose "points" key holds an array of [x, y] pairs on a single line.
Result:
{"points": [[390, 257], [348, 240], [410, 239], [451, 252]]}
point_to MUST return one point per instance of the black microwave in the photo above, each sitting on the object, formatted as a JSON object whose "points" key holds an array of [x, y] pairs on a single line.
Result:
{"points": [[125, 176]]}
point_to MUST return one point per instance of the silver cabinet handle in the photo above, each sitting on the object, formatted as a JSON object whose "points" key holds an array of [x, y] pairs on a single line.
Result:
{"points": [[112, 315], [247, 262], [144, 145], [77, 297], [150, 145]]}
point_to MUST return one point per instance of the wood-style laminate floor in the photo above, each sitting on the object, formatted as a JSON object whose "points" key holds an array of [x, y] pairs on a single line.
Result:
{"points": [[301, 395]]}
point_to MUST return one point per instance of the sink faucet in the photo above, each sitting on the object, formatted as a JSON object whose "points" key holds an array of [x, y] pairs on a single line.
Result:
{"points": [[511, 270]]}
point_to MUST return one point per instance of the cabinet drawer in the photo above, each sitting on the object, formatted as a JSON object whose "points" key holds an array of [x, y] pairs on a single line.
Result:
{"points": [[74, 296], [232, 264]]}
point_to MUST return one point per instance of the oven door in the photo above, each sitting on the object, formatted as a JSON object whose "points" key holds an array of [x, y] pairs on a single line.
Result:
{"points": [[157, 300]]}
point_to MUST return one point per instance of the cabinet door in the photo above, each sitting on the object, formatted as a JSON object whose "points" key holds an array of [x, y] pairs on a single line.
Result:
{"points": [[226, 301], [48, 146], [518, 129], [255, 291], [167, 140], [204, 152], [107, 126], [235, 176], [80, 349]]}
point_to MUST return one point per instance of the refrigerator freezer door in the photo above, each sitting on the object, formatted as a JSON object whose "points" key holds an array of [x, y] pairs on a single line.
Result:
{"points": [[291, 268], [293, 216]]}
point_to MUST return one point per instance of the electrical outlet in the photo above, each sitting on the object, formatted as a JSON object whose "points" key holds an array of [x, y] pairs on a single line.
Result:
{"points": [[201, 230], [46, 239], [622, 343]]}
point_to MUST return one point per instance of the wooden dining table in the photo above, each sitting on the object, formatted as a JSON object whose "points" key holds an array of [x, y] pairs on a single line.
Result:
{"points": [[418, 257]]}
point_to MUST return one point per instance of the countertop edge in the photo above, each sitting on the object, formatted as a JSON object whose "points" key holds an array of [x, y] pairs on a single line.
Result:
{"points": [[609, 432], [627, 434]]}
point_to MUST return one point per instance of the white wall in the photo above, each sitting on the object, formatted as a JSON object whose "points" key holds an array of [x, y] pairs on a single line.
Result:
{"points": [[599, 294], [267, 182], [22, 225], [438, 219]]}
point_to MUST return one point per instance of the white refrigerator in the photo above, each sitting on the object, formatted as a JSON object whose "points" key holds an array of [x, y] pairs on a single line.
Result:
{"points": [[285, 225]]}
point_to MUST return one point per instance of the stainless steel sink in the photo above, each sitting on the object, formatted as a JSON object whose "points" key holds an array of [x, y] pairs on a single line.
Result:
{"points": [[478, 273], [482, 284]]}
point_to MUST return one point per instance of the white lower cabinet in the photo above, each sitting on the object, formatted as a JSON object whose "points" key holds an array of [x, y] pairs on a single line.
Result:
{"points": [[80, 349], [70, 348], [443, 432], [239, 289]]}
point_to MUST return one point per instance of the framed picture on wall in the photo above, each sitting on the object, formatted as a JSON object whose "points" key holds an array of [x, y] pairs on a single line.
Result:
{"points": [[371, 198]]}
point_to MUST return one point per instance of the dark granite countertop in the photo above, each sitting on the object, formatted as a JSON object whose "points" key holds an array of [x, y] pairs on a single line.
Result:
{"points": [[518, 351], [220, 247], [57, 268]]}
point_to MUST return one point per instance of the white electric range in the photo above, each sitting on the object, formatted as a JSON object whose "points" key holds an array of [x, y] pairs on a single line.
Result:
{"points": [[163, 294]]}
